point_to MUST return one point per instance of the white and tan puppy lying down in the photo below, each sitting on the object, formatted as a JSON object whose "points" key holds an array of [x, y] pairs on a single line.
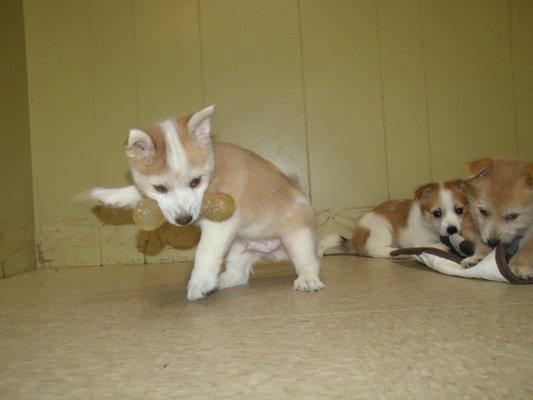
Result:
{"points": [[438, 210], [176, 163]]}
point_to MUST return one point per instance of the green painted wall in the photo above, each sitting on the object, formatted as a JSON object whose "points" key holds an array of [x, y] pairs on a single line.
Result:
{"points": [[16, 199], [365, 99]]}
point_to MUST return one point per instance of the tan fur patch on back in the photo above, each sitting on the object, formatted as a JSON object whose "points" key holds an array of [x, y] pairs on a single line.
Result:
{"points": [[396, 212], [264, 196]]}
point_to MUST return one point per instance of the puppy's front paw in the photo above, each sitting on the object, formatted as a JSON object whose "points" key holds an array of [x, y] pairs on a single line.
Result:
{"points": [[199, 287], [117, 197], [308, 283], [520, 268], [471, 261], [100, 194]]}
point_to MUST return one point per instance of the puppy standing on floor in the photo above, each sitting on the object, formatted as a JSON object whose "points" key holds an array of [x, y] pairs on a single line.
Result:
{"points": [[438, 209], [176, 163], [501, 198]]}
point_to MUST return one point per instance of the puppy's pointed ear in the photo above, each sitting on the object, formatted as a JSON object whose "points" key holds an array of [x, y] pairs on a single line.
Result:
{"points": [[479, 168], [139, 146], [423, 192], [199, 125]]}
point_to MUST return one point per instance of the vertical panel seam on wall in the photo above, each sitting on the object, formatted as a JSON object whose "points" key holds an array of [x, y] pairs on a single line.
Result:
{"points": [[382, 93], [304, 101], [513, 80], [135, 59], [93, 100], [200, 43], [426, 95], [2, 260], [27, 75], [136, 76]]}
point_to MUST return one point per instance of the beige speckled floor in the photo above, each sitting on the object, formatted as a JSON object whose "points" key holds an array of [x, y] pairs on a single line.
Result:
{"points": [[380, 331]]}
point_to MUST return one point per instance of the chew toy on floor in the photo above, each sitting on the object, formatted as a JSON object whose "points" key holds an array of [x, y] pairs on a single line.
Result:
{"points": [[216, 207], [494, 267]]}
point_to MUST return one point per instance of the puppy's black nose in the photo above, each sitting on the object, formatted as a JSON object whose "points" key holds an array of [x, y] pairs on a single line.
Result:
{"points": [[184, 219], [493, 242], [451, 230]]}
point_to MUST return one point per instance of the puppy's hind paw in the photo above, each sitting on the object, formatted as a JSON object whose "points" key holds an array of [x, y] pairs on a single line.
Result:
{"points": [[308, 283]]}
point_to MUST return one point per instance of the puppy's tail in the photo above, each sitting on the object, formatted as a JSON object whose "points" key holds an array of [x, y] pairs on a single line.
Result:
{"points": [[340, 243], [295, 180], [291, 175]]}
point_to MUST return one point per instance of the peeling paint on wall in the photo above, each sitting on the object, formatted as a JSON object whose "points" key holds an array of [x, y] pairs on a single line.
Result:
{"points": [[18, 249], [68, 245], [125, 243], [105, 243]]}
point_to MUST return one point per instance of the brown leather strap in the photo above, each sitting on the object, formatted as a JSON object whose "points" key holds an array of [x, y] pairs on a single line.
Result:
{"points": [[503, 267], [430, 250]]}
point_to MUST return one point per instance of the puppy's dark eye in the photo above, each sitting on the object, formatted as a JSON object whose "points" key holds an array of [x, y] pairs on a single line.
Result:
{"points": [[483, 212], [459, 210], [511, 217], [195, 182], [161, 188], [437, 213]]}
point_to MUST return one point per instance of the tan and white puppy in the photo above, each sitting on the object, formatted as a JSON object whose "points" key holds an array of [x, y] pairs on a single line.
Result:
{"points": [[438, 209], [501, 201], [176, 163]]}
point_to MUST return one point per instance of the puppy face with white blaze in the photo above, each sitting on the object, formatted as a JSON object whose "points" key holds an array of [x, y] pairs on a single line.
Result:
{"points": [[443, 205], [172, 163]]}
